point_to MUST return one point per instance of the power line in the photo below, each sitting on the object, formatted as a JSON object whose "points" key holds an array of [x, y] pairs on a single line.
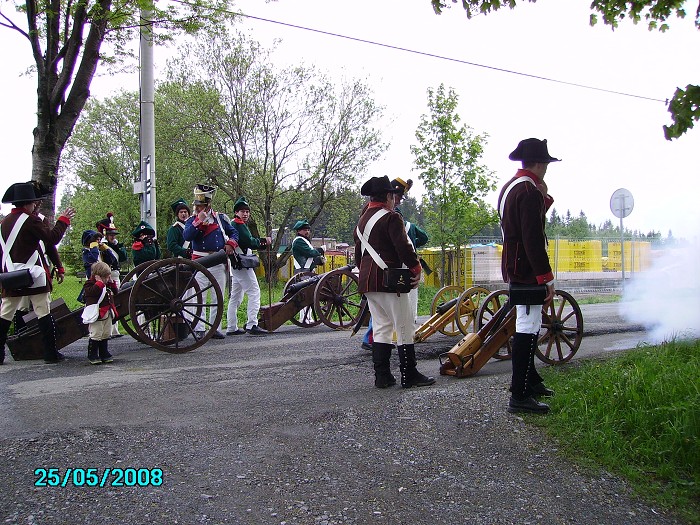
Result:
{"points": [[440, 57]]}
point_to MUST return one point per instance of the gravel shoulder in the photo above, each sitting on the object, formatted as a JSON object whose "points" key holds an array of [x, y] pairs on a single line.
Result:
{"points": [[285, 429]]}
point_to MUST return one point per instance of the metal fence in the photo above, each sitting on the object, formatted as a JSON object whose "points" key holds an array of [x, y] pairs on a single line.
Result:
{"points": [[580, 266]]}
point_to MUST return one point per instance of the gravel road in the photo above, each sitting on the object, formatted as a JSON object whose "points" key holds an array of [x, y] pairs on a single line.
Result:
{"points": [[284, 429]]}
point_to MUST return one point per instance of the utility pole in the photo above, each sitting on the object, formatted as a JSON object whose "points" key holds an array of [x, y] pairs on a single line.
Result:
{"points": [[145, 185]]}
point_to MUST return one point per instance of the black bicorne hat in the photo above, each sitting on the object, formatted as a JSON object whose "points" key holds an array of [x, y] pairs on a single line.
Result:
{"points": [[532, 150], [377, 186], [23, 192]]}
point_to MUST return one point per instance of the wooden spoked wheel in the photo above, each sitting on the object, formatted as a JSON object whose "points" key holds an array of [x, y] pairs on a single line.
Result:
{"points": [[561, 332], [165, 295], [562, 329], [307, 316], [125, 320], [489, 306], [467, 308], [443, 296], [337, 301]]}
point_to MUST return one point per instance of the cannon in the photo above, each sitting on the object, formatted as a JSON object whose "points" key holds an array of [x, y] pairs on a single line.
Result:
{"points": [[560, 337], [309, 299], [164, 303], [453, 311], [159, 304]]}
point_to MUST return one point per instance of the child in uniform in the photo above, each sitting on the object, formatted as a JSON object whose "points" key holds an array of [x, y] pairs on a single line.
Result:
{"points": [[100, 290]]}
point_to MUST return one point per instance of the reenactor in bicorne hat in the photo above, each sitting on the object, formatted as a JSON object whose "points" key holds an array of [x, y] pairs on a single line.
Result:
{"points": [[243, 280], [418, 238], [381, 242], [113, 253], [209, 232], [51, 252], [175, 241], [21, 235], [522, 205]]}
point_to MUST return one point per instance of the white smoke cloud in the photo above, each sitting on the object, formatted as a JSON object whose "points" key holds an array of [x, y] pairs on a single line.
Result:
{"points": [[666, 298]]}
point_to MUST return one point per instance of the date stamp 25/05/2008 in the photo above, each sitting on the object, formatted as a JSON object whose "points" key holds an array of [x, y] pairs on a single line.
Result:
{"points": [[98, 477]]}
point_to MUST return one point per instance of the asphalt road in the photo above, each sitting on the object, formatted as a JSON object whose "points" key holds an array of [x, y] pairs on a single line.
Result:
{"points": [[288, 428]]}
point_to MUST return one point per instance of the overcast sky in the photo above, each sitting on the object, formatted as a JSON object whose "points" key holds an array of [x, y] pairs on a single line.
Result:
{"points": [[607, 141]]}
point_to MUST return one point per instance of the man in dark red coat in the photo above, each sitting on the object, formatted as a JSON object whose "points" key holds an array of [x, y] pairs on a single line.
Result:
{"points": [[522, 205], [381, 242], [23, 233]]}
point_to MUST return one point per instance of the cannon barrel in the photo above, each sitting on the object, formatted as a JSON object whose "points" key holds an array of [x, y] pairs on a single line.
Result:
{"points": [[442, 308], [294, 288], [211, 260]]}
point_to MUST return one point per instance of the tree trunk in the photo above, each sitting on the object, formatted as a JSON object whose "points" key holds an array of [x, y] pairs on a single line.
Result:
{"points": [[45, 159]]}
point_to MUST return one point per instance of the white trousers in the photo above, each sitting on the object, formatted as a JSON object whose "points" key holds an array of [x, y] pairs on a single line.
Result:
{"points": [[391, 313], [413, 300], [220, 273], [243, 281], [40, 302], [528, 323], [116, 277]]}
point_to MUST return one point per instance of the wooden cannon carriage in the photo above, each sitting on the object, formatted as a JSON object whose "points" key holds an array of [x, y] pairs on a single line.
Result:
{"points": [[159, 304], [453, 311], [309, 299], [560, 335]]}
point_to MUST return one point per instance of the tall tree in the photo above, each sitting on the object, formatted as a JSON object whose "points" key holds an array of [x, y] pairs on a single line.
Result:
{"points": [[69, 40], [447, 157], [288, 139], [685, 104]]}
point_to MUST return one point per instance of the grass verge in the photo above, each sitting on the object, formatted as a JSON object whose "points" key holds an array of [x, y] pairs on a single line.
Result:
{"points": [[636, 415]]}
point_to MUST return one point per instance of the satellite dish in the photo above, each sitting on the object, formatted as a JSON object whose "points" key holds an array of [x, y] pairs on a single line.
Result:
{"points": [[621, 203]]}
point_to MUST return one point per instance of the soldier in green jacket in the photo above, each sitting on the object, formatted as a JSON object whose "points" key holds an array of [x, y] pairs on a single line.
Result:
{"points": [[306, 257], [175, 242], [243, 280], [145, 246]]}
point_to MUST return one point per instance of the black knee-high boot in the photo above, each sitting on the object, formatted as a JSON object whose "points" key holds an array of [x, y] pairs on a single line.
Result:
{"points": [[4, 329], [105, 356], [18, 320], [93, 352], [48, 330], [410, 376], [381, 355], [523, 362]]}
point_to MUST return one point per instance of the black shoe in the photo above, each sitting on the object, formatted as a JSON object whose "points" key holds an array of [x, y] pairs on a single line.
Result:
{"points": [[529, 404], [54, 360], [198, 334], [238, 331], [218, 335], [540, 390], [417, 379], [256, 330], [384, 380], [114, 336], [366, 346]]}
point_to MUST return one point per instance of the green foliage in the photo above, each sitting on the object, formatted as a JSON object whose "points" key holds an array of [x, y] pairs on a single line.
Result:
{"points": [[289, 140], [685, 104], [684, 109], [65, 40], [447, 157], [637, 415]]}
